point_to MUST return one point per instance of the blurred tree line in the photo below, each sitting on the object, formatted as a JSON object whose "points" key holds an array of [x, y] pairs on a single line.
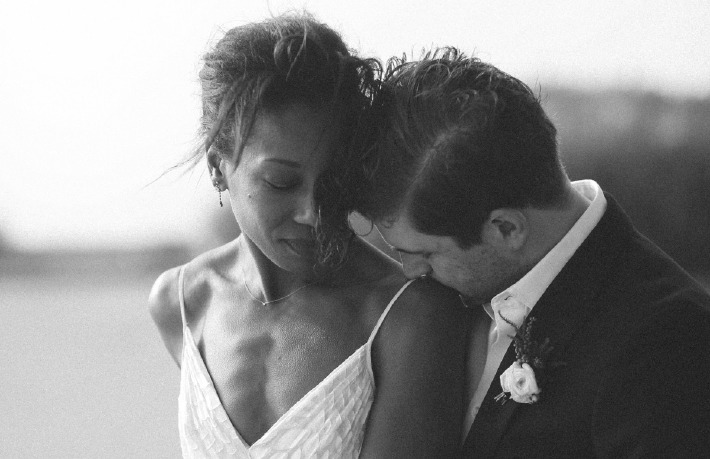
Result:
{"points": [[652, 153]]}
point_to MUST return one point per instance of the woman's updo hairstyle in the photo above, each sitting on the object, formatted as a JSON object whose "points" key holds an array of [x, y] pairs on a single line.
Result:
{"points": [[276, 63]]}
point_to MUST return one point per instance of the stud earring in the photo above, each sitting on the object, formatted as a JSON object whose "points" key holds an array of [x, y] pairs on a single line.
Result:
{"points": [[219, 191]]}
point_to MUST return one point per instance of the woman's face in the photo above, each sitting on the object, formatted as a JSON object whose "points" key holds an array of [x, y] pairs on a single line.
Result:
{"points": [[271, 188]]}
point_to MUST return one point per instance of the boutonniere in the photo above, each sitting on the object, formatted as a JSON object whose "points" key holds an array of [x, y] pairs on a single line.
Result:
{"points": [[523, 379]]}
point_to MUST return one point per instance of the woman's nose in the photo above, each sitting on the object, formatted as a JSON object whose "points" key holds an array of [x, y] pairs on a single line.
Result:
{"points": [[306, 213], [415, 265]]}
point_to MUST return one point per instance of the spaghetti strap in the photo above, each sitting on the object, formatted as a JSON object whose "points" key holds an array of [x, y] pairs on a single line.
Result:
{"points": [[181, 294], [386, 311]]}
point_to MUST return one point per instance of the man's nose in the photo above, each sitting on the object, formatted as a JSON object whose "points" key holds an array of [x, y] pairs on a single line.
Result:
{"points": [[414, 265]]}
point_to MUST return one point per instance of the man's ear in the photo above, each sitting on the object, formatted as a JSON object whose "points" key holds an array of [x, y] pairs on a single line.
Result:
{"points": [[506, 228]]}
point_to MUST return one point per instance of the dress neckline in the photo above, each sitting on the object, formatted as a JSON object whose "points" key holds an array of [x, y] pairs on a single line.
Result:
{"points": [[189, 345]]}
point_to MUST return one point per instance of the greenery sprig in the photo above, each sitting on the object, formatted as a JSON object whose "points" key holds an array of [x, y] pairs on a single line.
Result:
{"points": [[530, 351], [527, 350]]}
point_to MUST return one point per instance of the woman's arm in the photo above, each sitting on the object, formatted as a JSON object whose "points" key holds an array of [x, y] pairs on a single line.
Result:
{"points": [[419, 363], [164, 308]]}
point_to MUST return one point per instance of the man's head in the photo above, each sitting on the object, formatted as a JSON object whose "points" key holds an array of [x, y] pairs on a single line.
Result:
{"points": [[462, 150]]}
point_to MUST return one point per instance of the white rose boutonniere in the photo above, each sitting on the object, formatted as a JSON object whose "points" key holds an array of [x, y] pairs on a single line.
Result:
{"points": [[519, 381], [523, 380]]}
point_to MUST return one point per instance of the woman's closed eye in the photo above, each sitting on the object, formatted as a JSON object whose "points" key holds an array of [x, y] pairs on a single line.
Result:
{"points": [[278, 186], [279, 183]]}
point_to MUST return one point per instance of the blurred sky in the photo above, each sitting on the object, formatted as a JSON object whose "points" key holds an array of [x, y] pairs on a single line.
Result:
{"points": [[97, 99]]}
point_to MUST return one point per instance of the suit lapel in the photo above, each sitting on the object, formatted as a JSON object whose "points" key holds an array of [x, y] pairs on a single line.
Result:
{"points": [[563, 308], [492, 417]]}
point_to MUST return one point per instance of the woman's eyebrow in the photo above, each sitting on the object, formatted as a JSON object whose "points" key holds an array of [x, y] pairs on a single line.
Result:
{"points": [[285, 162]]}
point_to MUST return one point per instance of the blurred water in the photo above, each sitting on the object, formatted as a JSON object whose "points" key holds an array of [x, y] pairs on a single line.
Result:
{"points": [[82, 370]]}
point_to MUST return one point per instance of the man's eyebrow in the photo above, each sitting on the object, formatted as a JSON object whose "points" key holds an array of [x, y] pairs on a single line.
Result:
{"points": [[285, 162]]}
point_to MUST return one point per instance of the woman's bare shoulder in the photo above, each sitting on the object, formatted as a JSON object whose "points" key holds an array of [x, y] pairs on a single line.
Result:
{"points": [[385, 275], [163, 301], [198, 279], [215, 262], [372, 275], [418, 360], [164, 308], [204, 273], [426, 305], [367, 264]]}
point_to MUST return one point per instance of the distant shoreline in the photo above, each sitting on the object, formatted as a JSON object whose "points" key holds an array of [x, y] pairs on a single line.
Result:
{"points": [[90, 262]]}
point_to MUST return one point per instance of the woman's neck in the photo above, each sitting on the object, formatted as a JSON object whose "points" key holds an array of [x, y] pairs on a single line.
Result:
{"points": [[263, 277]]}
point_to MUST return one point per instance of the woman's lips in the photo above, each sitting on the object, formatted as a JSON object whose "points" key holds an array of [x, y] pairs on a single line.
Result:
{"points": [[301, 247]]}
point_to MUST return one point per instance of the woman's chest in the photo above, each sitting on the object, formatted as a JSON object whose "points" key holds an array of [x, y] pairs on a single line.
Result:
{"points": [[261, 367]]}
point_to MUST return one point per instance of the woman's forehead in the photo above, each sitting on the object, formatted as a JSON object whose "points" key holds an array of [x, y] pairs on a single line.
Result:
{"points": [[296, 133]]}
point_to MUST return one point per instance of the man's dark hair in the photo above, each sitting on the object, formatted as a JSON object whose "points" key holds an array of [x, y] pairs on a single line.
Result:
{"points": [[456, 138]]}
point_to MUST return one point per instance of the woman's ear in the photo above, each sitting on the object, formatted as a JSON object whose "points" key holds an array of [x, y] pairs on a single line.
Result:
{"points": [[506, 228], [215, 165]]}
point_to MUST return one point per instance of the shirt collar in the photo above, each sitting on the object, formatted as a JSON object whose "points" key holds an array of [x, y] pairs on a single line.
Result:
{"points": [[532, 285]]}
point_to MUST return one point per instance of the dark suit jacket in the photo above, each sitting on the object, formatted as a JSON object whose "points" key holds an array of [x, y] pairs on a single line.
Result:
{"points": [[634, 332]]}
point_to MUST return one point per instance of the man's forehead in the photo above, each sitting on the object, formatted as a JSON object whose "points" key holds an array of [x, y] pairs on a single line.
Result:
{"points": [[401, 235], [395, 227]]}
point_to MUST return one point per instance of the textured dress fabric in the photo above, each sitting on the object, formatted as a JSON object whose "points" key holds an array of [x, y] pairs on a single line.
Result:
{"points": [[328, 422]]}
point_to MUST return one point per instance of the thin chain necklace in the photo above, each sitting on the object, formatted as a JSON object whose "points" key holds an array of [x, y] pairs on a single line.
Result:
{"points": [[264, 303]]}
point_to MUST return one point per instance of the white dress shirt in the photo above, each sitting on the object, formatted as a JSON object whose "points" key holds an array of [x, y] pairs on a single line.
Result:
{"points": [[516, 302]]}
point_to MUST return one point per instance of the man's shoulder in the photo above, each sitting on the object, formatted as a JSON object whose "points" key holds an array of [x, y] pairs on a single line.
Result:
{"points": [[631, 283], [652, 276], [625, 263]]}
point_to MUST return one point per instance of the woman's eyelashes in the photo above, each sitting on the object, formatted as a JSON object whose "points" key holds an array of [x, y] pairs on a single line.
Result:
{"points": [[276, 186], [281, 184]]}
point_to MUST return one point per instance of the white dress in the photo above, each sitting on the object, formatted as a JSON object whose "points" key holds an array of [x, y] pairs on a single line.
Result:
{"points": [[328, 422]]}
